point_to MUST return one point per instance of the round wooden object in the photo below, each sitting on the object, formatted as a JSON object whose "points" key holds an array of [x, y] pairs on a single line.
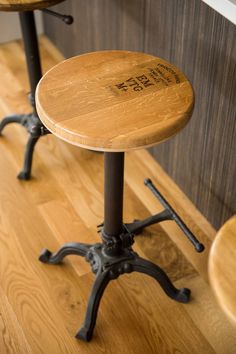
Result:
{"points": [[114, 100], [26, 5], [222, 268]]}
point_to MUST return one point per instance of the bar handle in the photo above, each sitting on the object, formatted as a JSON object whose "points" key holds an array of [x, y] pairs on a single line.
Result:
{"points": [[199, 247], [68, 19]]}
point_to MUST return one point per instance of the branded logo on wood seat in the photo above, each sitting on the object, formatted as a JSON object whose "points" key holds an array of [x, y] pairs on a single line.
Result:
{"points": [[150, 78]]}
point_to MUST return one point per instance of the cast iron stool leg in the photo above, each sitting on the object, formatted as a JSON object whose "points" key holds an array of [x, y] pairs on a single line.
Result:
{"points": [[15, 118], [100, 284], [76, 248], [26, 171], [144, 266]]}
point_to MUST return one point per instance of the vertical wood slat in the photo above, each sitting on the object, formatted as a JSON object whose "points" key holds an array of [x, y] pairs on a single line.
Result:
{"points": [[98, 25], [201, 42], [201, 159]]}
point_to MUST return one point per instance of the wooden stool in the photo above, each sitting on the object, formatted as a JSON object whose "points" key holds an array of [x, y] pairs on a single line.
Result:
{"points": [[222, 268], [30, 121], [115, 101]]}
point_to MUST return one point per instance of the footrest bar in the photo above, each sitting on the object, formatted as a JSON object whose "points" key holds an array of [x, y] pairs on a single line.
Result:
{"points": [[174, 216], [65, 18]]}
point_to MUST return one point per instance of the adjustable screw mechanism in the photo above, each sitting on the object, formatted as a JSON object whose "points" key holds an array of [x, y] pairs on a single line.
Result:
{"points": [[65, 18], [113, 244]]}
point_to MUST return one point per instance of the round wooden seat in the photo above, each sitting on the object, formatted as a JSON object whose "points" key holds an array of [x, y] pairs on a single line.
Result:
{"points": [[26, 5], [114, 100], [222, 268]]}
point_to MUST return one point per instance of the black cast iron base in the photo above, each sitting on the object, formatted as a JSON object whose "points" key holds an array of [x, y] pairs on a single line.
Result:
{"points": [[115, 256], [107, 268], [35, 129]]}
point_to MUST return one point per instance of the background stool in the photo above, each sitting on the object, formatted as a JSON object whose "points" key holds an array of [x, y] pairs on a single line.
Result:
{"points": [[30, 121], [115, 101], [222, 268]]}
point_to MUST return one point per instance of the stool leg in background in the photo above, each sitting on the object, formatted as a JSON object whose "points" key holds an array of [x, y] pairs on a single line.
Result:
{"points": [[31, 48], [30, 121]]}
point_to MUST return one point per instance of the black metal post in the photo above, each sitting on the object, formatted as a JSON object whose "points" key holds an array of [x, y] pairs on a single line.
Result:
{"points": [[30, 39], [113, 193]]}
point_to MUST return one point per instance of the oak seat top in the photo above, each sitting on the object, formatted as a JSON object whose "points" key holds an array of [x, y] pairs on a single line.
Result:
{"points": [[26, 5], [114, 100], [222, 268]]}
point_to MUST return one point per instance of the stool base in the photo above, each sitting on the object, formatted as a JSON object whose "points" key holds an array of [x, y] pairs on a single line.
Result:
{"points": [[35, 129], [107, 268]]}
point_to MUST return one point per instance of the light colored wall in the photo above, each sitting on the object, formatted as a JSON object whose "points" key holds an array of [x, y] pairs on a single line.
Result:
{"points": [[227, 8], [10, 25]]}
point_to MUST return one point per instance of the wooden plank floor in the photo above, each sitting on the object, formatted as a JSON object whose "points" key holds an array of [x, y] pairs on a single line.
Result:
{"points": [[42, 306]]}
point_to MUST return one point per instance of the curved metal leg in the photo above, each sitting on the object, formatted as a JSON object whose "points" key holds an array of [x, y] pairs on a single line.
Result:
{"points": [[143, 266], [26, 172], [15, 118], [101, 282], [137, 226], [76, 248]]}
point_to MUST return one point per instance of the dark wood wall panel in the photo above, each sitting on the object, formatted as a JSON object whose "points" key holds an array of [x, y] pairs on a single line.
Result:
{"points": [[98, 25], [201, 158]]}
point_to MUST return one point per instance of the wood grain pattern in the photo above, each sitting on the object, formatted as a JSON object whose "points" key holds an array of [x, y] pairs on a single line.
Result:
{"points": [[201, 42], [208, 316], [222, 267], [12, 339], [153, 314], [114, 100], [26, 5], [41, 307]]}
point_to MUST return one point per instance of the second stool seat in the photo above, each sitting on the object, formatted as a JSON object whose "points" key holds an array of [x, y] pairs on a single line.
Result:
{"points": [[26, 5], [222, 268]]}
